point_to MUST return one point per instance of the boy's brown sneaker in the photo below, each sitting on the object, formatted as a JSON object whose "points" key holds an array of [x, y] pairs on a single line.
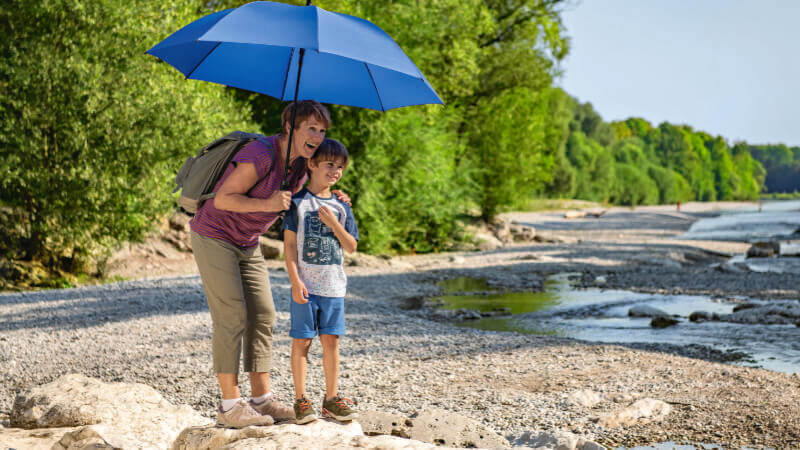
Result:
{"points": [[303, 411], [241, 415], [273, 407], [339, 408]]}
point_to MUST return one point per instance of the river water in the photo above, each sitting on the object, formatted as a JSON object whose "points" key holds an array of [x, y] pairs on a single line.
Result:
{"points": [[602, 315]]}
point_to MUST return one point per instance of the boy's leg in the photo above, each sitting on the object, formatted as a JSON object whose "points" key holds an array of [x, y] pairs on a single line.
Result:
{"points": [[330, 363], [299, 362]]}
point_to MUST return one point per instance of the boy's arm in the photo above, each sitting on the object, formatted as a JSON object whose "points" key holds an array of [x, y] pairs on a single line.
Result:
{"points": [[348, 242], [299, 292]]}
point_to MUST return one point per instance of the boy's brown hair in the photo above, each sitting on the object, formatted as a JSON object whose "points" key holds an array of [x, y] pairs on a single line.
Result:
{"points": [[331, 150], [305, 109]]}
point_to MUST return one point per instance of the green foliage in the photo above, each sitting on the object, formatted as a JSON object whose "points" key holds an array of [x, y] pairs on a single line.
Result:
{"points": [[782, 164], [633, 187], [507, 152], [410, 191], [93, 129]]}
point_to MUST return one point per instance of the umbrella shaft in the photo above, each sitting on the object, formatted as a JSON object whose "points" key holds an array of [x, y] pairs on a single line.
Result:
{"points": [[285, 182]]}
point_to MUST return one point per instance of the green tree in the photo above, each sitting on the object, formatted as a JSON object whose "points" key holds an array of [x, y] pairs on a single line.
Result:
{"points": [[93, 129]]}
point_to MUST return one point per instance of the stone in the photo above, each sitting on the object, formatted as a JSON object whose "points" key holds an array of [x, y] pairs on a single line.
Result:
{"points": [[487, 241], [646, 311], [789, 249], [548, 238], [455, 259], [501, 229], [320, 434], [523, 233], [556, 440], [179, 221], [379, 422], [122, 415], [270, 248], [584, 397], [700, 316], [763, 250], [18, 438], [449, 429], [574, 214], [648, 409], [663, 322]]}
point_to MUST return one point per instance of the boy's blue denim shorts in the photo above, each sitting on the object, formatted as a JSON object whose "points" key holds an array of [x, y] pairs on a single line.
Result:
{"points": [[321, 315]]}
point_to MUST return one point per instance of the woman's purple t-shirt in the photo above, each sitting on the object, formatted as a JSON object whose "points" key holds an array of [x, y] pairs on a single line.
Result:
{"points": [[243, 229]]}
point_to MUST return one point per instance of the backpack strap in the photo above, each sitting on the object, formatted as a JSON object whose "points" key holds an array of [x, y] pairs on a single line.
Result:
{"points": [[251, 137]]}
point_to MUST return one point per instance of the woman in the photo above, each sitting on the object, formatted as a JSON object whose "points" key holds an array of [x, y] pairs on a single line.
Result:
{"points": [[224, 238]]}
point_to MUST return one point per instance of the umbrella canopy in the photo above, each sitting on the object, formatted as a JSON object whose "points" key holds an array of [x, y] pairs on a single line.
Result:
{"points": [[344, 59]]}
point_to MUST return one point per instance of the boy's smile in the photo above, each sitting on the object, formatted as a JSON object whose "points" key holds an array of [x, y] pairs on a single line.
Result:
{"points": [[326, 173]]}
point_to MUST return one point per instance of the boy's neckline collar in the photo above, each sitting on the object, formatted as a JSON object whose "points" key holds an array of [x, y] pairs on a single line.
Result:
{"points": [[330, 194]]}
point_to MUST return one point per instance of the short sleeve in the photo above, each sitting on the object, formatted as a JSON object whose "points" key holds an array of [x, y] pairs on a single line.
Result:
{"points": [[350, 222], [290, 219], [258, 154]]}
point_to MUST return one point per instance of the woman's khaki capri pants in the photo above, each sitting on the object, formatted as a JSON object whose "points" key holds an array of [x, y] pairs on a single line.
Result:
{"points": [[240, 301]]}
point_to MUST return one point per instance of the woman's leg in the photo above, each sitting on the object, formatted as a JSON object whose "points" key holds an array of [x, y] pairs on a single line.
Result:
{"points": [[218, 264], [260, 321]]}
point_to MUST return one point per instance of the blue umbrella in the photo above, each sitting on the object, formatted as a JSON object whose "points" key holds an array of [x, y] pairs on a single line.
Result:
{"points": [[272, 48]]}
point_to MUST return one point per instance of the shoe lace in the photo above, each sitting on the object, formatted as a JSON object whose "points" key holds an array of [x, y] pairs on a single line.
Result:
{"points": [[248, 411], [304, 404], [343, 402]]}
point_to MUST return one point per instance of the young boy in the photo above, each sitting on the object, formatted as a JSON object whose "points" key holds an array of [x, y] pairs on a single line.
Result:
{"points": [[317, 228]]}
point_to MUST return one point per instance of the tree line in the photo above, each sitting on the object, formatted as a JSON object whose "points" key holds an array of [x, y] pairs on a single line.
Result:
{"points": [[94, 130]]}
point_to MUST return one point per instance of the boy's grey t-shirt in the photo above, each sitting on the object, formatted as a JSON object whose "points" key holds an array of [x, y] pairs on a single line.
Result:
{"points": [[319, 253]]}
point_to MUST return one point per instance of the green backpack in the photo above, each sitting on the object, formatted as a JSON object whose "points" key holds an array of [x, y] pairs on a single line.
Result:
{"points": [[199, 174]]}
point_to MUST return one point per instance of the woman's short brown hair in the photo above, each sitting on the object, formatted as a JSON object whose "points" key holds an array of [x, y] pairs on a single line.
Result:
{"points": [[305, 109]]}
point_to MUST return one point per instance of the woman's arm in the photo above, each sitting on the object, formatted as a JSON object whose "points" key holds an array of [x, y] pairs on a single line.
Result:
{"points": [[232, 195]]}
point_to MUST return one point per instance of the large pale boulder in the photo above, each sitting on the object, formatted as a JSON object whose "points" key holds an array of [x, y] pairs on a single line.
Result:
{"points": [[446, 428], [379, 422], [648, 409], [120, 414], [584, 397], [555, 440], [486, 241], [320, 434]]}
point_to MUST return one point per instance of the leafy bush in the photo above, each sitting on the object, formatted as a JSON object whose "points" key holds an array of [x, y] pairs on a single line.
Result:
{"points": [[93, 130]]}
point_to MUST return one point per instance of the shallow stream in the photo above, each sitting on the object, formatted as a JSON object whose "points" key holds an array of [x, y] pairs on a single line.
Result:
{"points": [[602, 316]]}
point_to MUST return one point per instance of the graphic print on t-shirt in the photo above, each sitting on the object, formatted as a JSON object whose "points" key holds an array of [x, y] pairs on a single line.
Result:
{"points": [[319, 242]]}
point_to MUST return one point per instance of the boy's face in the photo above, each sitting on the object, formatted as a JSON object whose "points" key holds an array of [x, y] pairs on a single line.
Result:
{"points": [[326, 172]]}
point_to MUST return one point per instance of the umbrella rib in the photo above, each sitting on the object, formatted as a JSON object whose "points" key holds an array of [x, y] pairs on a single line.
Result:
{"points": [[201, 61], [375, 86], [286, 77]]}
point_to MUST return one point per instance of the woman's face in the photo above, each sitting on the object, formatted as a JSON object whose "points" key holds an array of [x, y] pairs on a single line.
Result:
{"points": [[307, 137]]}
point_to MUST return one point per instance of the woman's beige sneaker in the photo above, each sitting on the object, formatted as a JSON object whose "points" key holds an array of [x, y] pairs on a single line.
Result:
{"points": [[242, 415], [274, 408]]}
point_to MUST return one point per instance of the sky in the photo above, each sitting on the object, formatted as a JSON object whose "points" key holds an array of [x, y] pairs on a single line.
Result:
{"points": [[726, 67]]}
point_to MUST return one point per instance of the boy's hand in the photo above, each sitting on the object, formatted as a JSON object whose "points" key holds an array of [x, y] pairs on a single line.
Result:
{"points": [[327, 217], [300, 293], [342, 196]]}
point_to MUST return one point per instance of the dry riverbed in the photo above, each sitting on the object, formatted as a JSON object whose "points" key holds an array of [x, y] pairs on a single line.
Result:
{"points": [[156, 331]]}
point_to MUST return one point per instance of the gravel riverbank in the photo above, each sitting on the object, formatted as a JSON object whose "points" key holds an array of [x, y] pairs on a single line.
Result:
{"points": [[157, 331]]}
